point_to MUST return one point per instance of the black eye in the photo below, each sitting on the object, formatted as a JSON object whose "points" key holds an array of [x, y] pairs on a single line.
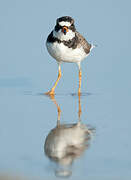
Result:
{"points": [[57, 27], [72, 27]]}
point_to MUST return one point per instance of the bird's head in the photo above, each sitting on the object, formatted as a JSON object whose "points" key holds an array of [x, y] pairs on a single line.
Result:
{"points": [[65, 28]]}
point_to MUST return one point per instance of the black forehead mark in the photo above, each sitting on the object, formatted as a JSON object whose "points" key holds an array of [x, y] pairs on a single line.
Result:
{"points": [[66, 19]]}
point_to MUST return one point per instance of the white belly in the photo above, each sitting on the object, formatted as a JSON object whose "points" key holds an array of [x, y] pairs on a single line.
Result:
{"points": [[62, 53]]}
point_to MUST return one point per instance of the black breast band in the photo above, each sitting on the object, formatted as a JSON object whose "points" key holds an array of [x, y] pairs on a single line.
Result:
{"points": [[70, 43]]}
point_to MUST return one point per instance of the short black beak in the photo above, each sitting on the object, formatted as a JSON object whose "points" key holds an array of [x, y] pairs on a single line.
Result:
{"points": [[64, 30]]}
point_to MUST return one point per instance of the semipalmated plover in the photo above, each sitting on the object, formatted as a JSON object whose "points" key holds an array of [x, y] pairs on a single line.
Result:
{"points": [[65, 44]]}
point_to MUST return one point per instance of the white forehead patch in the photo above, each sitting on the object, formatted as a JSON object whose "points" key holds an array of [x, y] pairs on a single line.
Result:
{"points": [[63, 23]]}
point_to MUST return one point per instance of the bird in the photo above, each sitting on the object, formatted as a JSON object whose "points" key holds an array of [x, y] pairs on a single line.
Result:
{"points": [[65, 44]]}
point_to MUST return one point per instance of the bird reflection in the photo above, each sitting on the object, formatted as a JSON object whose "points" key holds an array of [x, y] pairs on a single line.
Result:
{"points": [[66, 142]]}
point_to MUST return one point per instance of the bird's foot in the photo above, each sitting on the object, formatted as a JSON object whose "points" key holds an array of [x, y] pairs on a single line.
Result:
{"points": [[50, 93]]}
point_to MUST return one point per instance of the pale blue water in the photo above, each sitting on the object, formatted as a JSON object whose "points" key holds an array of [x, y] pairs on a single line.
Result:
{"points": [[27, 71]]}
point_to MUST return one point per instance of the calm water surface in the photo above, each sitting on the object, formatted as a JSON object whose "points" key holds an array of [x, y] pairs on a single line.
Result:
{"points": [[44, 138], [81, 126]]}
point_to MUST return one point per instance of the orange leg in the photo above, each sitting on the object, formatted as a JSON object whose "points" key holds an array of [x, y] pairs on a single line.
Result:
{"points": [[58, 109], [79, 112], [79, 90], [52, 91]]}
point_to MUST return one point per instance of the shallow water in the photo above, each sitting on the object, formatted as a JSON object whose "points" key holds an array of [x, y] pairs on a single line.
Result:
{"points": [[28, 118], [91, 134]]}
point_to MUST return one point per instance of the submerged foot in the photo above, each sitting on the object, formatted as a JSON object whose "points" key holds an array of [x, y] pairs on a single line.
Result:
{"points": [[50, 93]]}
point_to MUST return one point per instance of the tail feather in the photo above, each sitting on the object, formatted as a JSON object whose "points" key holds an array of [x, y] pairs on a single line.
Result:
{"points": [[93, 46]]}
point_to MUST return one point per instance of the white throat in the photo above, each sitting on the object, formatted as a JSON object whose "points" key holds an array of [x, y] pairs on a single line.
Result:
{"points": [[64, 37]]}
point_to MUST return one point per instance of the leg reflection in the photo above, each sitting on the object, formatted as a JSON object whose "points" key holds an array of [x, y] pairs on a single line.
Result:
{"points": [[66, 142]]}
